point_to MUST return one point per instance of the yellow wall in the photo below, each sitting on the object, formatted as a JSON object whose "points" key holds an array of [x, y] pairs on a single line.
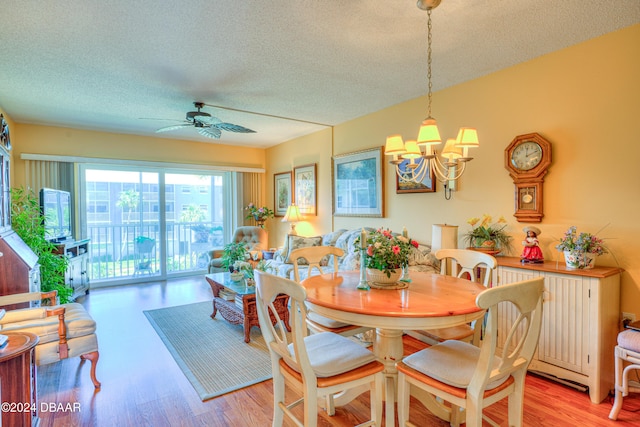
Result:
{"points": [[51, 140], [583, 99]]}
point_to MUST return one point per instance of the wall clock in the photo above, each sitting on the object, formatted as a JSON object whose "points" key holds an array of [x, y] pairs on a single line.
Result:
{"points": [[527, 159]]}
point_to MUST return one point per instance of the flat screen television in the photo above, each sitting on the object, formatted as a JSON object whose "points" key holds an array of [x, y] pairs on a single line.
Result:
{"points": [[55, 206]]}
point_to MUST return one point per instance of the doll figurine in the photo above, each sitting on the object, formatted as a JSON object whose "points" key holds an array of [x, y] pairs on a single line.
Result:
{"points": [[531, 252]]}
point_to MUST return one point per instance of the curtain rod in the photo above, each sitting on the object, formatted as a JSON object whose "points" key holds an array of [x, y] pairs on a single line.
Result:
{"points": [[77, 159]]}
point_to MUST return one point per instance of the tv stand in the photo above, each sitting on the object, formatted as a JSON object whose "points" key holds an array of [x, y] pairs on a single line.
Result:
{"points": [[77, 274]]}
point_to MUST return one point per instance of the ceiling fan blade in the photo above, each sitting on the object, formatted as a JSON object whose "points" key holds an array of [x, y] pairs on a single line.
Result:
{"points": [[210, 132], [232, 128], [174, 127]]}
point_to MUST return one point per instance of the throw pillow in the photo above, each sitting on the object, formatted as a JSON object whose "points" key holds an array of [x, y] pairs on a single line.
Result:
{"points": [[295, 242]]}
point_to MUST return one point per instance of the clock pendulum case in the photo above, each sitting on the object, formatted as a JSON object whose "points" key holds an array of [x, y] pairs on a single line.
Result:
{"points": [[527, 159]]}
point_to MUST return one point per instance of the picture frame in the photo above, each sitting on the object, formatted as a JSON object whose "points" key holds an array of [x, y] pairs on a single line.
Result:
{"points": [[282, 192], [427, 185], [358, 183], [304, 189]]}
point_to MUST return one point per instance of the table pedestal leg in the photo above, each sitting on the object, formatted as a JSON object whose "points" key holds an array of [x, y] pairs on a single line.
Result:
{"points": [[388, 348]]}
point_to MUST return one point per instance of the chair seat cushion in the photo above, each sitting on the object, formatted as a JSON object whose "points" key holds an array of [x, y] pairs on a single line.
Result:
{"points": [[332, 354], [630, 340], [78, 322], [452, 363], [325, 321]]}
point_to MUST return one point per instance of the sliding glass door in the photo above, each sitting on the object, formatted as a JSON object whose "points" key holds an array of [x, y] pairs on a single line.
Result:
{"points": [[152, 223]]}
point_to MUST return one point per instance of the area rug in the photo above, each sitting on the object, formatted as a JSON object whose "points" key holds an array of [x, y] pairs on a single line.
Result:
{"points": [[211, 352]]}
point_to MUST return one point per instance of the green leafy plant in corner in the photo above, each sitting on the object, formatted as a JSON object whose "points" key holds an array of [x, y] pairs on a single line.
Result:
{"points": [[26, 221]]}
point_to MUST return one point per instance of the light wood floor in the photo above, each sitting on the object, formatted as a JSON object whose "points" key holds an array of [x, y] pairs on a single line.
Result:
{"points": [[143, 386]]}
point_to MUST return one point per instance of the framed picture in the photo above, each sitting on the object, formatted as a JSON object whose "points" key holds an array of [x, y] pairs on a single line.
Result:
{"points": [[427, 185], [281, 193], [358, 184], [304, 188]]}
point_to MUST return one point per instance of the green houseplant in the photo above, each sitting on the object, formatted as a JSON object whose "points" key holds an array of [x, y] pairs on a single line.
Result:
{"points": [[487, 235], [26, 221], [233, 252]]}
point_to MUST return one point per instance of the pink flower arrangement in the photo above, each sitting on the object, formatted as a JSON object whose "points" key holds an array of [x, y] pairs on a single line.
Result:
{"points": [[386, 251]]}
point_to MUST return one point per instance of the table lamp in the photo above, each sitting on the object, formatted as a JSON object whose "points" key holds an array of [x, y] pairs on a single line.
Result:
{"points": [[293, 215]]}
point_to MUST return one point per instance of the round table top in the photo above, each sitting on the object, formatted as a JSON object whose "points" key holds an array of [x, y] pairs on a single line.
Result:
{"points": [[427, 301], [18, 343]]}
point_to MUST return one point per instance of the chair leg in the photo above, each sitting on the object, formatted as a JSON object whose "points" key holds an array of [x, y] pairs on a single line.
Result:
{"points": [[617, 402], [278, 399], [310, 406], [403, 399], [93, 357]]}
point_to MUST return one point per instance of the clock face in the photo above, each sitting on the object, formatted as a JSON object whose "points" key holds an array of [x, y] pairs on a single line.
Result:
{"points": [[526, 156]]}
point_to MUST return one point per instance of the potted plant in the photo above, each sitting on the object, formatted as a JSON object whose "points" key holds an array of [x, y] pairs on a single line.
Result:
{"points": [[486, 235], [233, 252], [580, 250], [386, 253], [260, 215], [26, 221]]}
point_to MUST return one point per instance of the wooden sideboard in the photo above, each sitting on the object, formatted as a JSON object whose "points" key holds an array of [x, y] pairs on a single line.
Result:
{"points": [[580, 321]]}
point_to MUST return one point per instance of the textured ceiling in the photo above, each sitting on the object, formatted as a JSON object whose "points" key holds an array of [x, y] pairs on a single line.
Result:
{"points": [[116, 65]]}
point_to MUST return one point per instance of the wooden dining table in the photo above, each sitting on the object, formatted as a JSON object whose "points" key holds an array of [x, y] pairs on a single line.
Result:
{"points": [[429, 301]]}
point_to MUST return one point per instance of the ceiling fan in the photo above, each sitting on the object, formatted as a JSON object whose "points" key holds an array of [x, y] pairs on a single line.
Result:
{"points": [[206, 124]]}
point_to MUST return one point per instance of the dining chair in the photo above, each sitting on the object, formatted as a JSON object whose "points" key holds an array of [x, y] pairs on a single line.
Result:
{"points": [[473, 378], [315, 365], [627, 350], [478, 267], [315, 257]]}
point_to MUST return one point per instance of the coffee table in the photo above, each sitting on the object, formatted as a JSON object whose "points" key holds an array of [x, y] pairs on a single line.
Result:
{"points": [[240, 307]]}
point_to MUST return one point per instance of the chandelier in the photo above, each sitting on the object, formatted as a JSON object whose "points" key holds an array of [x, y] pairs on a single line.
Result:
{"points": [[414, 159]]}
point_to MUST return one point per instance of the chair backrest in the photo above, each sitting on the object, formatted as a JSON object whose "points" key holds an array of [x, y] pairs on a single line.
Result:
{"points": [[521, 338], [254, 237], [465, 262], [268, 287], [314, 256]]}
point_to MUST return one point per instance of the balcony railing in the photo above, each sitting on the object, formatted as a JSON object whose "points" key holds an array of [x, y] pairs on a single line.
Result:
{"points": [[122, 250]]}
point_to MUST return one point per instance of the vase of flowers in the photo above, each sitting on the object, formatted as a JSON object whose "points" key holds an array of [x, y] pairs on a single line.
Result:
{"points": [[486, 235], [580, 250], [386, 254], [260, 215]]}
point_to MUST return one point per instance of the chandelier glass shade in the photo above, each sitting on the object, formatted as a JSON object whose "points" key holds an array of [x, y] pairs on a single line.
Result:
{"points": [[421, 154]]}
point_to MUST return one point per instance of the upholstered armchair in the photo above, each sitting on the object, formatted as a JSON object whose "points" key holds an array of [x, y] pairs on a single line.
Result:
{"points": [[65, 330], [255, 239]]}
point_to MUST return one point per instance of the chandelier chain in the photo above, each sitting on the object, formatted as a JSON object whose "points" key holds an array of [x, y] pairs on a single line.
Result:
{"points": [[429, 57]]}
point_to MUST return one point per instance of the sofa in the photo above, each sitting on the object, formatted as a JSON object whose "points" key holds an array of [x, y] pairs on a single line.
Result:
{"points": [[421, 258]]}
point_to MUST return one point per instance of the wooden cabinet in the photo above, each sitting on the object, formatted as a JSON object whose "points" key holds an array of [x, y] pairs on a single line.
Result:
{"points": [[77, 274], [19, 268], [580, 321]]}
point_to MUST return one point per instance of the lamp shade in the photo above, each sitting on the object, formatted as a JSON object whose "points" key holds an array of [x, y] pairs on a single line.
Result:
{"points": [[444, 236], [451, 151], [292, 215], [467, 137], [412, 150], [394, 145], [429, 133]]}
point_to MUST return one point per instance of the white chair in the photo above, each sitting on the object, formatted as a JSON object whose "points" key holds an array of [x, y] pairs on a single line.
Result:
{"points": [[317, 365], [627, 350], [314, 256], [466, 264], [473, 378]]}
